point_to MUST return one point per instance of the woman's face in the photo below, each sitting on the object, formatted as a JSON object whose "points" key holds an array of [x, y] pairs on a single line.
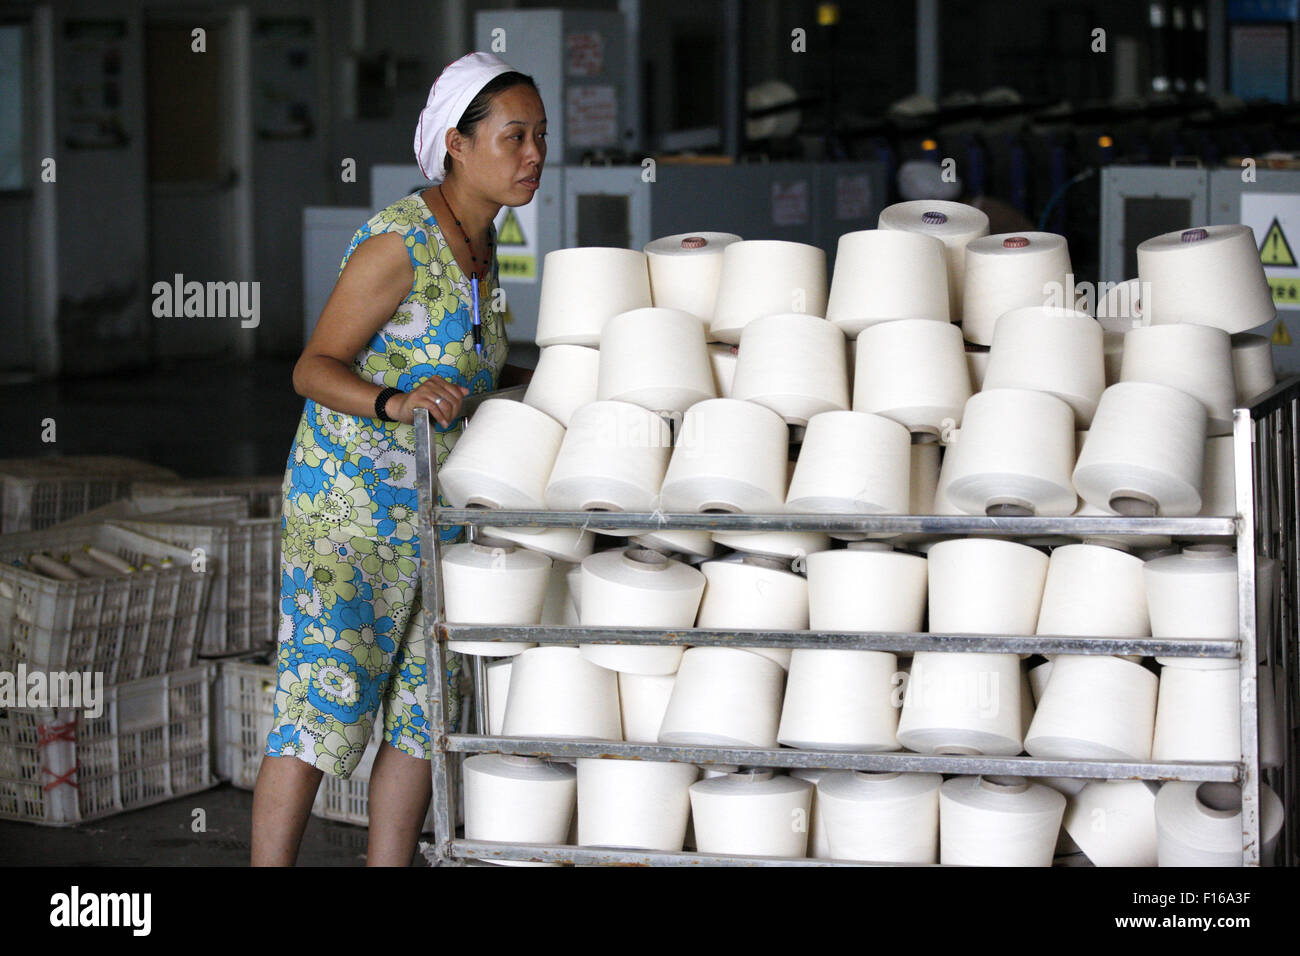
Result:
{"points": [[504, 159]]}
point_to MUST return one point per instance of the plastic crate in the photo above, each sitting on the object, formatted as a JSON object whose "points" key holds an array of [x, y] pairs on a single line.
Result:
{"points": [[247, 700], [41, 492], [264, 493], [348, 801], [150, 744], [243, 561], [172, 508], [127, 626]]}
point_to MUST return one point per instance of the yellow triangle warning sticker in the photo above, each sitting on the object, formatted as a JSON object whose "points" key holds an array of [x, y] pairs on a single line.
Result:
{"points": [[1280, 335], [512, 235], [1275, 250]]}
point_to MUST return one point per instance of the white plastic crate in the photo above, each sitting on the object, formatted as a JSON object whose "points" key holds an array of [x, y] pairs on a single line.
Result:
{"points": [[264, 493], [41, 492], [247, 700], [126, 626], [150, 744], [172, 508], [348, 801]]}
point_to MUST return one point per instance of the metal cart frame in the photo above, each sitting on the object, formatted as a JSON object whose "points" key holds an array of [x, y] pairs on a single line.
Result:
{"points": [[1265, 437]]}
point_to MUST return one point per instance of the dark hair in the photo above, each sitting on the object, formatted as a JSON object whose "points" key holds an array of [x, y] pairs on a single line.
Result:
{"points": [[481, 105]]}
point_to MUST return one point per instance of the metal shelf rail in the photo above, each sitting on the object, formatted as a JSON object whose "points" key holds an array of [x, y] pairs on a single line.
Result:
{"points": [[1265, 442]]}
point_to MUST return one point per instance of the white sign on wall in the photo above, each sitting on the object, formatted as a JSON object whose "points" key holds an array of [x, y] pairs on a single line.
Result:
{"points": [[1275, 219]]}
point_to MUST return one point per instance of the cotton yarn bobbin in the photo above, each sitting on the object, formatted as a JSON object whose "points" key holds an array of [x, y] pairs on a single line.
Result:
{"points": [[1114, 822], [498, 691], [685, 270], [766, 277], [952, 223], [1094, 591], [886, 274], [1053, 350], [1015, 451], [881, 817], [925, 457], [656, 358], [692, 544], [1144, 452], [985, 586], [503, 459], [1195, 359], [818, 845], [977, 363], [840, 700], [755, 813], [1199, 824], [644, 699], [998, 821], [513, 799], [639, 804], [754, 593], [1094, 708], [1208, 275], [558, 601], [722, 359], [638, 588], [492, 584], [775, 544], [1038, 676], [1007, 271], [1219, 481], [962, 703], [725, 696], [1252, 367], [555, 692], [1119, 307], [730, 457], [584, 286], [565, 379], [852, 462], [1193, 595], [1198, 716], [866, 590], [792, 364], [913, 371], [613, 458], [570, 545], [1027, 701]]}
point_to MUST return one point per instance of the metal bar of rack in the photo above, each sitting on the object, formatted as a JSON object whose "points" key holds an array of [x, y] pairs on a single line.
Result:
{"points": [[1266, 438]]}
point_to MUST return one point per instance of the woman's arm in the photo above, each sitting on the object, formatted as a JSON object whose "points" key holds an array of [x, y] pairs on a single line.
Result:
{"points": [[374, 282]]}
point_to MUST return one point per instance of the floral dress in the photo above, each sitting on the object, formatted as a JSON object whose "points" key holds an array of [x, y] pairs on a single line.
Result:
{"points": [[351, 637]]}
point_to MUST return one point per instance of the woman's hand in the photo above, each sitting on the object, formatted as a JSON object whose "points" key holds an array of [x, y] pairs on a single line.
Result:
{"points": [[440, 396]]}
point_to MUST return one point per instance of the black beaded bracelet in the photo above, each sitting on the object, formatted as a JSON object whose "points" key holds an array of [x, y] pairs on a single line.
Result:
{"points": [[381, 400]]}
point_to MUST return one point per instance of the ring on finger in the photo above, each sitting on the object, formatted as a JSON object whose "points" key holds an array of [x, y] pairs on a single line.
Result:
{"points": [[437, 401]]}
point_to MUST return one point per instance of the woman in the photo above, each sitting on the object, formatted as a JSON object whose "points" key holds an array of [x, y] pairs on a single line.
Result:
{"points": [[398, 333]]}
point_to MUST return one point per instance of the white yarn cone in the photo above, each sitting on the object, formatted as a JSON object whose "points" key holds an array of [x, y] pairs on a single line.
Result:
{"points": [[866, 590], [638, 804], [689, 543], [1008, 271], [685, 270], [1194, 359], [1209, 275], [1119, 306], [982, 586], [582, 287], [1199, 824], [565, 379], [1038, 676], [998, 821], [503, 459], [638, 588], [881, 817], [962, 703], [554, 692], [498, 691], [852, 462], [556, 606], [819, 847], [1144, 452], [914, 372], [840, 700], [1015, 450], [722, 359], [1219, 483], [754, 593], [563, 544], [730, 457], [977, 363], [766, 277], [1193, 595], [952, 223], [493, 585], [512, 799], [1252, 367], [1112, 344], [724, 696], [926, 458], [779, 544], [1114, 822], [886, 274], [656, 358], [1093, 591], [1053, 350], [793, 364], [645, 698], [755, 813], [1198, 716], [1094, 708], [613, 458]]}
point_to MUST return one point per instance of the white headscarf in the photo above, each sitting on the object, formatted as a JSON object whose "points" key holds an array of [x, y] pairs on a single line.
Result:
{"points": [[449, 97]]}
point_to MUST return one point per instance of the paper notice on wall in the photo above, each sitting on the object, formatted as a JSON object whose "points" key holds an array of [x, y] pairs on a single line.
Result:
{"points": [[591, 116], [790, 203], [584, 53], [1275, 219], [852, 196]]}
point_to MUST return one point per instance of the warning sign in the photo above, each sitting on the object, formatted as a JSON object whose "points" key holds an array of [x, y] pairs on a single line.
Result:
{"points": [[510, 234], [1275, 250], [1280, 335], [517, 238]]}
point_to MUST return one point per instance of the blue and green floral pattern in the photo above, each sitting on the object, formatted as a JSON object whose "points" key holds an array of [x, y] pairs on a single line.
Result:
{"points": [[350, 634]]}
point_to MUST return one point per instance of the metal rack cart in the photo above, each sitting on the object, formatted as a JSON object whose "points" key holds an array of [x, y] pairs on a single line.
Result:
{"points": [[1265, 442]]}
